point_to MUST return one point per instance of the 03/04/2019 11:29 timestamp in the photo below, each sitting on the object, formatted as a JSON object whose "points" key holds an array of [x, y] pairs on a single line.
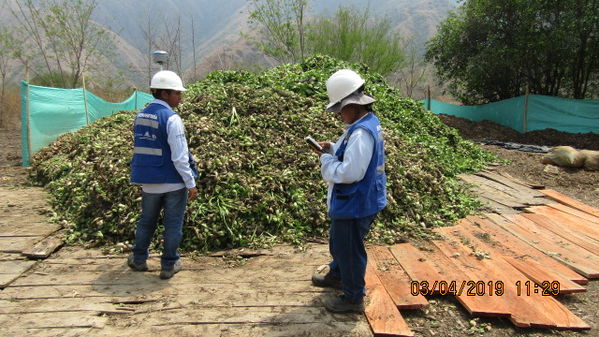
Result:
{"points": [[483, 288]]}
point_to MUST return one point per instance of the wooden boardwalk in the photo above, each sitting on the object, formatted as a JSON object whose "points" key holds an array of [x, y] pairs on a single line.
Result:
{"points": [[511, 262], [25, 234], [490, 263]]}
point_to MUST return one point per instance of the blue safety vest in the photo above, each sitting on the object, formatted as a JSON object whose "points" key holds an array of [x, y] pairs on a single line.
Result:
{"points": [[152, 162], [369, 195]]}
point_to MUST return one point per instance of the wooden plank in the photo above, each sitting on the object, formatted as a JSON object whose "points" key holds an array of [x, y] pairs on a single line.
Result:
{"points": [[495, 207], [489, 185], [11, 256], [539, 275], [328, 327], [382, 314], [522, 188], [58, 331], [56, 320], [15, 266], [31, 229], [11, 270], [212, 292], [504, 188], [574, 223], [272, 316], [394, 279], [241, 297], [416, 263], [517, 248], [520, 182], [45, 247], [51, 306], [529, 267], [526, 310], [17, 244], [564, 232], [575, 212], [474, 272], [573, 256], [555, 195], [491, 193]]}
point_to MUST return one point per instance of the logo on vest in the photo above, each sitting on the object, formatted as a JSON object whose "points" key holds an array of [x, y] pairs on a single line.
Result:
{"points": [[147, 136]]}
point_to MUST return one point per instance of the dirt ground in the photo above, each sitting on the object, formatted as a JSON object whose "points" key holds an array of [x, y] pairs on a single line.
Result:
{"points": [[445, 316]]}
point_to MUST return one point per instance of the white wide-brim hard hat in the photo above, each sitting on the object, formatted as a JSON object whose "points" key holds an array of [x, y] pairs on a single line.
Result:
{"points": [[356, 98], [342, 84], [166, 79]]}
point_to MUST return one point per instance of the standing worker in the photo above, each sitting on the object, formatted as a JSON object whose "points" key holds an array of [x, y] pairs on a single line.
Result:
{"points": [[165, 169], [354, 167]]}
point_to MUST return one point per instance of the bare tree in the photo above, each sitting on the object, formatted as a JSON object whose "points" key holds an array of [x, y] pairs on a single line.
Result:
{"points": [[412, 70], [193, 47], [64, 36], [9, 44], [164, 33], [282, 27], [149, 34]]}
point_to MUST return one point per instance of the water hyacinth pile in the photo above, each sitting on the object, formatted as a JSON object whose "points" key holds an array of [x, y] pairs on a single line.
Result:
{"points": [[259, 182]]}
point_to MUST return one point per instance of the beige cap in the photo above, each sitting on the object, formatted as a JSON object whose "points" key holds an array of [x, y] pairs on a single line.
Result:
{"points": [[355, 98]]}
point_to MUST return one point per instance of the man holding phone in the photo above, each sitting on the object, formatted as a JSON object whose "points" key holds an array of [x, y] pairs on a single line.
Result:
{"points": [[354, 167]]}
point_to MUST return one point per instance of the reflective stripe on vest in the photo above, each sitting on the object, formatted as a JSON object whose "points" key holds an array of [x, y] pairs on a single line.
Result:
{"points": [[147, 150], [146, 122]]}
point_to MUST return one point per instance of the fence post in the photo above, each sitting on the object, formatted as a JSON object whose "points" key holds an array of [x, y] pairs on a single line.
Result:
{"points": [[26, 113], [428, 97], [25, 124], [85, 100], [525, 117]]}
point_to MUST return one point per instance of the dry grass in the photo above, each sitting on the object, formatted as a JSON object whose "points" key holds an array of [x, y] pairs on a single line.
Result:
{"points": [[10, 109]]}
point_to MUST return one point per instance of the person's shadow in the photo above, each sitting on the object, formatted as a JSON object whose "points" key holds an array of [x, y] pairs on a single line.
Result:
{"points": [[119, 281], [312, 319]]}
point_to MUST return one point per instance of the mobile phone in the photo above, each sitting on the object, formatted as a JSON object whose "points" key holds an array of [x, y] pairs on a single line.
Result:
{"points": [[313, 144]]}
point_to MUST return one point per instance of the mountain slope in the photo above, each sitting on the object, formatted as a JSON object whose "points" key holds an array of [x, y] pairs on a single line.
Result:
{"points": [[218, 27]]}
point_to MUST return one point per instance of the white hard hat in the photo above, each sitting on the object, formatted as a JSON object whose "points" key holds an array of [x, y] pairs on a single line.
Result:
{"points": [[166, 79], [341, 84]]}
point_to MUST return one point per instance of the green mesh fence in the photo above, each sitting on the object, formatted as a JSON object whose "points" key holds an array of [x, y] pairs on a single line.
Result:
{"points": [[529, 113], [46, 113]]}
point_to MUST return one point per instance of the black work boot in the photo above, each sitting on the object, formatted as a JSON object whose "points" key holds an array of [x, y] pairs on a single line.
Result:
{"points": [[326, 280], [340, 304], [168, 273], [135, 265]]}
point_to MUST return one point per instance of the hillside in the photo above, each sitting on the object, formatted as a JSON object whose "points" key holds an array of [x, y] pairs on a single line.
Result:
{"points": [[218, 27]]}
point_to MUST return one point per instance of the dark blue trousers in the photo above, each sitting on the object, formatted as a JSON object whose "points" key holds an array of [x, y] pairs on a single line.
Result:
{"points": [[174, 204], [346, 245]]}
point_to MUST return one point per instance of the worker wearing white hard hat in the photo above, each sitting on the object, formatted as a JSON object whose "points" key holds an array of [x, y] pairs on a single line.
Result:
{"points": [[354, 167], [165, 169]]}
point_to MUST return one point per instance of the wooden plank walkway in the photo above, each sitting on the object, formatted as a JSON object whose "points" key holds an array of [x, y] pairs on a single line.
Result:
{"points": [[93, 295], [490, 263], [24, 232], [511, 263]]}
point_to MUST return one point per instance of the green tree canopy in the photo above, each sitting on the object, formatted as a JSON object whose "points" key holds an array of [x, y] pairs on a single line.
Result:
{"points": [[351, 35], [489, 50]]}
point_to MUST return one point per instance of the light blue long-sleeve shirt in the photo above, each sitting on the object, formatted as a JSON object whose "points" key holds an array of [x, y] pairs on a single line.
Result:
{"points": [[356, 159]]}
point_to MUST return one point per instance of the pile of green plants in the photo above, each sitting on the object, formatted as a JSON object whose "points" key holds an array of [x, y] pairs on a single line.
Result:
{"points": [[259, 183]]}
